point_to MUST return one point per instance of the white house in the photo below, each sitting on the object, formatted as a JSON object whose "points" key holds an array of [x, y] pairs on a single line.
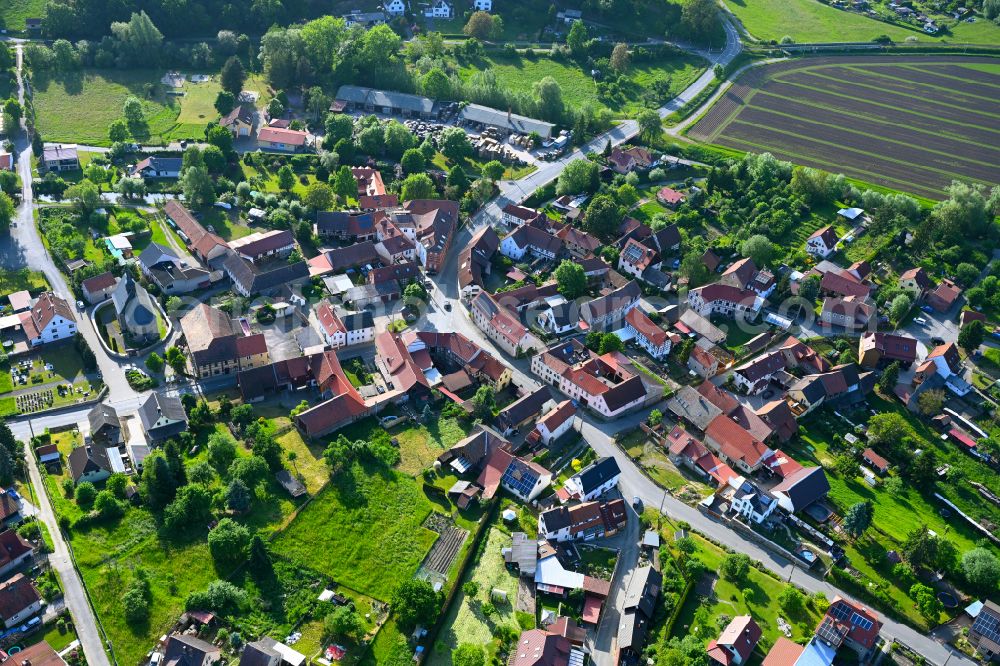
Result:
{"points": [[483, 5], [555, 423], [592, 481], [48, 320], [753, 376], [822, 242], [395, 7], [528, 239], [749, 501], [583, 522], [352, 329], [635, 258], [559, 316], [724, 299], [439, 9], [646, 333], [516, 216]]}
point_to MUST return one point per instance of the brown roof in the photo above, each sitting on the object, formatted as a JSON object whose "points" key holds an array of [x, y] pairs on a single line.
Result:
{"points": [[876, 460], [42, 312], [328, 319], [718, 397], [556, 417], [893, 347], [39, 654], [843, 283], [16, 594], [646, 327], [12, 546], [828, 235], [944, 295], [784, 653], [919, 276], [251, 345], [735, 442], [100, 282]]}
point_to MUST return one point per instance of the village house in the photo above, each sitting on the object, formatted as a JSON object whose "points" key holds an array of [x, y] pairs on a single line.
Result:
{"points": [[19, 600], [875, 461], [746, 499], [725, 300], [501, 325], [592, 481], [475, 262], [754, 376], [441, 9], [351, 329], [578, 243], [583, 522], [50, 319], [670, 197], [627, 160], [847, 312], [165, 269], [282, 139], [703, 363], [395, 7], [736, 643], [521, 477], [345, 225], [162, 417], [822, 242], [240, 121], [524, 410], [430, 224], [370, 100], [528, 239], [15, 550], [735, 445], [944, 296], [606, 313], [554, 423], [984, 634], [800, 487], [916, 281], [635, 258], [745, 275], [647, 334], [216, 347], [684, 449], [252, 279], [99, 287], [158, 167], [540, 647], [852, 625], [59, 157], [877, 349], [89, 463], [516, 216], [609, 384], [845, 383], [342, 403], [185, 650]]}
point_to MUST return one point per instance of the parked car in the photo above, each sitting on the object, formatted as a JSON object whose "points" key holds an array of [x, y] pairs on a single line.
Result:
{"points": [[926, 308], [920, 320], [937, 341]]}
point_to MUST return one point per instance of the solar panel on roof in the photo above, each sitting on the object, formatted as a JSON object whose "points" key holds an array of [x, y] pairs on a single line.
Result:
{"points": [[829, 633], [839, 612], [859, 621]]}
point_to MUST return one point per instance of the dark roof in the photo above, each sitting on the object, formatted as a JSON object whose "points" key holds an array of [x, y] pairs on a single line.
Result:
{"points": [[628, 391], [264, 277], [345, 223], [102, 416], [188, 651], [12, 546], [525, 407], [804, 487], [358, 321], [88, 459], [357, 254], [162, 416], [16, 594], [259, 653], [598, 472]]}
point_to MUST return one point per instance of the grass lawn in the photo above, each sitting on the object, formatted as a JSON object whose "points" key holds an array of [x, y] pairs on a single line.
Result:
{"points": [[18, 280], [702, 615], [13, 12], [309, 460], [50, 633], [813, 21], [465, 622], [80, 106], [578, 88], [657, 465], [225, 223], [269, 180], [364, 530], [420, 446]]}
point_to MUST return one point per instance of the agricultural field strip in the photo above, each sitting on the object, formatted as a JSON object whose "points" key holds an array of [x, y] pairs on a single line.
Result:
{"points": [[834, 167], [840, 84], [963, 72], [916, 88], [917, 122], [913, 164], [839, 97], [812, 120], [821, 114], [916, 78], [929, 72]]}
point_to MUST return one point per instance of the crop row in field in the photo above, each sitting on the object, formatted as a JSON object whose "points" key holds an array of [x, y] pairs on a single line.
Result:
{"points": [[900, 122]]}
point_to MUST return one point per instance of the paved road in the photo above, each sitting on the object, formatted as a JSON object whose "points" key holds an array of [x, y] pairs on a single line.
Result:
{"points": [[27, 246]]}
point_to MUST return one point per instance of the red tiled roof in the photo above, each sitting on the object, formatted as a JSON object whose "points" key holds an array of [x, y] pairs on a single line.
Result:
{"points": [[251, 345], [556, 417], [279, 135], [669, 196], [875, 459], [735, 442], [328, 319], [646, 327], [100, 282], [784, 653]]}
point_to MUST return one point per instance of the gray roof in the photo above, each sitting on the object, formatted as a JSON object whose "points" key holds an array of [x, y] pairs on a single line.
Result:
{"points": [[374, 97], [102, 416], [525, 407], [692, 406], [188, 651], [804, 487], [264, 277], [154, 253], [643, 590], [358, 321], [162, 416], [259, 653], [128, 292], [84, 459], [513, 122]]}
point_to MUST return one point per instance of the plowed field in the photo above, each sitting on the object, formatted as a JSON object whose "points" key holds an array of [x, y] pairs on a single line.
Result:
{"points": [[908, 123]]}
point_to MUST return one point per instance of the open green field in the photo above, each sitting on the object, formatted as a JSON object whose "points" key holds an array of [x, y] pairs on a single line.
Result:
{"points": [[519, 75], [78, 107], [364, 530], [14, 12], [465, 622], [20, 279], [912, 124], [812, 21], [420, 446]]}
